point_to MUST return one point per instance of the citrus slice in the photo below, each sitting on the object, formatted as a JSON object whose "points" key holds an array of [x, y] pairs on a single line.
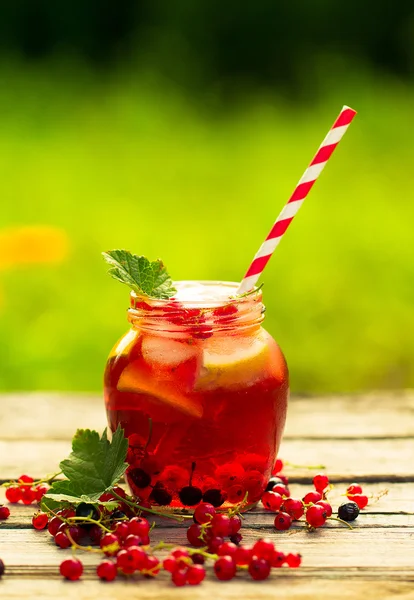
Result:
{"points": [[235, 362], [137, 378]]}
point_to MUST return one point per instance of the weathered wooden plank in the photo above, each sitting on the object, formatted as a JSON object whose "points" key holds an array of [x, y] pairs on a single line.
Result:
{"points": [[374, 459], [328, 547], [292, 586], [56, 416]]}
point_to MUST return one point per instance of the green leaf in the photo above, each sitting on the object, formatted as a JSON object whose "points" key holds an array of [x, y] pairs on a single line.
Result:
{"points": [[94, 466], [144, 277]]}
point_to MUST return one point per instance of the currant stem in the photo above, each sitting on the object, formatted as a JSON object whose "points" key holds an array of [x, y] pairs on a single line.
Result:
{"points": [[48, 480], [341, 521], [294, 466], [134, 505]]}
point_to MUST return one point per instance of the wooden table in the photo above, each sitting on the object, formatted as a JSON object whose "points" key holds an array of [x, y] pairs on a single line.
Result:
{"points": [[369, 439]]}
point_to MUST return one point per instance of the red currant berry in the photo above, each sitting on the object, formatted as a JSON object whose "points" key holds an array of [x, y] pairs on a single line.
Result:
{"points": [[354, 488], [220, 525], [95, 533], [152, 566], [312, 497], [13, 494], [278, 559], [294, 508], [227, 549], [264, 548], [198, 559], [139, 526], [281, 489], [4, 512], [320, 482], [121, 530], [235, 524], [40, 491], [109, 544], [293, 560], [107, 570], [259, 568], [131, 559], [40, 521], [54, 525], [214, 543], [195, 535], [75, 532], [71, 569], [196, 574], [171, 564], [316, 516], [236, 538], [361, 500], [62, 540], [326, 506], [278, 467], [204, 513], [243, 555], [272, 501], [180, 553], [28, 495], [225, 568], [179, 578], [282, 521], [132, 540], [26, 479]]}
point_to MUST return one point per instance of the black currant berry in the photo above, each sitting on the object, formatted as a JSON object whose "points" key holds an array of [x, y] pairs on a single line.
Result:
{"points": [[236, 538], [272, 482], [160, 495], [139, 478], [348, 511], [190, 495], [118, 514], [214, 497], [87, 510]]}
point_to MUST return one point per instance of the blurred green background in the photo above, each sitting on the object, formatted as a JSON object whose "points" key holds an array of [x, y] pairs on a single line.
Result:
{"points": [[178, 130]]}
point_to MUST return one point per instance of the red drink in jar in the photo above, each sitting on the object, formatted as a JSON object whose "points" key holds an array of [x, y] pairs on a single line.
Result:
{"points": [[201, 390]]}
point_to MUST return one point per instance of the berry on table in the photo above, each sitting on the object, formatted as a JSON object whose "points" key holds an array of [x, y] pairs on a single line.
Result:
{"points": [[278, 468], [236, 538], [86, 510], [294, 508], [13, 494], [195, 574], [139, 526], [4, 512], [348, 511], [225, 568], [272, 482], [272, 501], [26, 479], [129, 560], [2, 568], [293, 560], [132, 540], [109, 544], [71, 569], [361, 500], [235, 524], [204, 513], [326, 506], [281, 489], [28, 495], [264, 548], [214, 543], [107, 570], [195, 535], [62, 540], [152, 566], [41, 490], [220, 525], [227, 549], [171, 564], [316, 516], [354, 488], [312, 497], [278, 560], [282, 521], [320, 482], [54, 525], [259, 568], [40, 521], [243, 555], [179, 577]]}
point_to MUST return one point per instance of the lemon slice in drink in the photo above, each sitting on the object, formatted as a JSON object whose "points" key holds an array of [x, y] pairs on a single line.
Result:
{"points": [[235, 362]]}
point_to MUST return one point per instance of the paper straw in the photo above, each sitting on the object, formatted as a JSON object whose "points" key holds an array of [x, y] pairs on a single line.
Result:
{"points": [[303, 188]]}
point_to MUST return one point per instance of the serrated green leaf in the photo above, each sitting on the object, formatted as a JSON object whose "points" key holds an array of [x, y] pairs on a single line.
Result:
{"points": [[94, 466], [141, 275]]}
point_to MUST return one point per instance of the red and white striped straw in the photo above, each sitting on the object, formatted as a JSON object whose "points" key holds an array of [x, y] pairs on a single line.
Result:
{"points": [[294, 203]]}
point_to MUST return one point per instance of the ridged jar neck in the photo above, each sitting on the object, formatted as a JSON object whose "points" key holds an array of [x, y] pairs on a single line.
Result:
{"points": [[199, 316]]}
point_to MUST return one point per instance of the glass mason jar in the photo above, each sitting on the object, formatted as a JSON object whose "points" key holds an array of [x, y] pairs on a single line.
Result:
{"points": [[201, 390]]}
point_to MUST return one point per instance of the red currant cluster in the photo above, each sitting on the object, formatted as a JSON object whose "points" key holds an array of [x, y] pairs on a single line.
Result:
{"points": [[26, 490], [354, 493], [210, 528]]}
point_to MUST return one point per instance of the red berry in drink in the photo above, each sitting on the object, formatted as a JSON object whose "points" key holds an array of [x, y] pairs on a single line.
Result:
{"points": [[235, 524], [40, 521], [225, 568], [227, 549], [194, 535], [259, 568], [264, 548], [13, 494], [204, 513], [229, 474], [179, 578], [326, 506], [294, 508], [215, 497], [71, 569], [360, 499], [282, 521], [107, 570], [4, 512], [220, 525], [272, 501], [316, 516], [195, 574], [354, 488], [243, 555], [312, 497], [62, 540], [293, 560], [320, 482], [278, 467], [281, 489], [139, 526]]}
